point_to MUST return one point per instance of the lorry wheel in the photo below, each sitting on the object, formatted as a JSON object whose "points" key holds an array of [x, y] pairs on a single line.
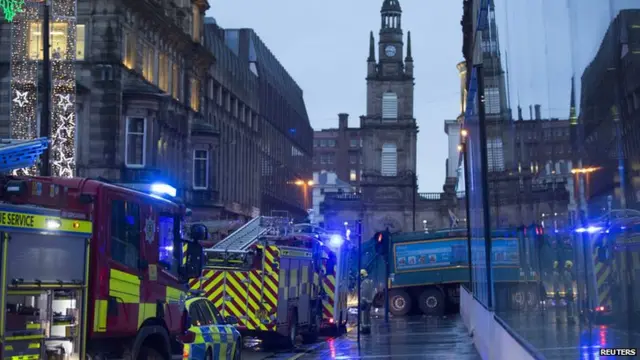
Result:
{"points": [[399, 302], [432, 302], [518, 299]]}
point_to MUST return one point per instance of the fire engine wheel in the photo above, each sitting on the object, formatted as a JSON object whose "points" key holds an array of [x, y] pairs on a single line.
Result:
{"points": [[432, 302], [312, 336], [148, 353], [399, 303]]}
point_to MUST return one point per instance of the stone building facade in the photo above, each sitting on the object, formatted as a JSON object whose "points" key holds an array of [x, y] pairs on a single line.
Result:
{"points": [[140, 71], [339, 150], [389, 197], [163, 98]]}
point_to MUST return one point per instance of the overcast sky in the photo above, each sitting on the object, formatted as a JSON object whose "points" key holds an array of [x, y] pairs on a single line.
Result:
{"points": [[324, 46]]}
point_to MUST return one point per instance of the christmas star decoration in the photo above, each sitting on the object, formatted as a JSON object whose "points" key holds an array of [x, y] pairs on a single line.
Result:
{"points": [[21, 97], [65, 101], [11, 8]]}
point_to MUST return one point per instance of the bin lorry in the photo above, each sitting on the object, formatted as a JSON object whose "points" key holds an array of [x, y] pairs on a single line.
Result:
{"points": [[427, 269], [88, 269], [278, 280]]}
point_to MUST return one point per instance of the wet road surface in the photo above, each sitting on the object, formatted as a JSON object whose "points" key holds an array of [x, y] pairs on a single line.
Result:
{"points": [[404, 338]]}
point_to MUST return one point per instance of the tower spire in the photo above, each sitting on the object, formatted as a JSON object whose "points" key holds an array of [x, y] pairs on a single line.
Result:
{"points": [[409, 57], [372, 48], [573, 117]]}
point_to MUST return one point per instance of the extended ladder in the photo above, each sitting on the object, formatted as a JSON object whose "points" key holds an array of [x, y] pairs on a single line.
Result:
{"points": [[241, 239], [19, 154]]}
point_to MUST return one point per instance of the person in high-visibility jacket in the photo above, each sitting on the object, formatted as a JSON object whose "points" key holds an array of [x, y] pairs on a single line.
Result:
{"points": [[567, 279], [556, 284], [367, 294]]}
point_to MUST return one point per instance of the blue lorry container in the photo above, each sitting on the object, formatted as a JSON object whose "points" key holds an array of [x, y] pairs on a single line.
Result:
{"points": [[427, 269]]}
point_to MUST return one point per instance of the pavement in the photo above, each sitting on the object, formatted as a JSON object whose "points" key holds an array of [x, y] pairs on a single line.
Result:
{"points": [[415, 337]]}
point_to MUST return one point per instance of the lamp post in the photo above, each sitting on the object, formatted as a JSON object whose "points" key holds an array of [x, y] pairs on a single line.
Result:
{"points": [[305, 185]]}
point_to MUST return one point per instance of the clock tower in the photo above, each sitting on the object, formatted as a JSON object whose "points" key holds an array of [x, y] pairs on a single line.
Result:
{"points": [[389, 130]]}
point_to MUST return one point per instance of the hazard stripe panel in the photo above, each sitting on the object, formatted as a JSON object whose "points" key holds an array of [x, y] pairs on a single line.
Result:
{"points": [[250, 296], [328, 303], [602, 272]]}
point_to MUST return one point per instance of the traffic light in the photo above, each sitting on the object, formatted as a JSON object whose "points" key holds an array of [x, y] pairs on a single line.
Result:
{"points": [[382, 242], [379, 239]]}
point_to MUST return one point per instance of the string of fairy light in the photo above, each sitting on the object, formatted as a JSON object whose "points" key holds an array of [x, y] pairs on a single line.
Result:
{"points": [[25, 53], [63, 91], [24, 77]]}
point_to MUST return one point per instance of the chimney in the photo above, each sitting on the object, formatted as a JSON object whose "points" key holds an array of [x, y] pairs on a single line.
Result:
{"points": [[343, 121], [530, 112], [538, 116], [520, 113]]}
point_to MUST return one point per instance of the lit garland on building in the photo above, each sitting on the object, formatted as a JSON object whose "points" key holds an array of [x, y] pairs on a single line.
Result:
{"points": [[11, 8], [63, 90], [24, 78]]}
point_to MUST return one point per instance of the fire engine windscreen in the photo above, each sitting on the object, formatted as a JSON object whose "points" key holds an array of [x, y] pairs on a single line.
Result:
{"points": [[166, 238]]}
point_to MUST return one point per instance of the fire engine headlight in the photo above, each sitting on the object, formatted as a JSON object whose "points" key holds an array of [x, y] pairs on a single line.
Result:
{"points": [[53, 224]]}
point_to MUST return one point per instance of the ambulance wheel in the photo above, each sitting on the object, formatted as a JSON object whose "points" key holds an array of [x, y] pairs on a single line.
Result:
{"points": [[399, 303], [432, 302], [148, 353]]}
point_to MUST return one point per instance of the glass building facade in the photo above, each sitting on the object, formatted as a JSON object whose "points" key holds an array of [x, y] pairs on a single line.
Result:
{"points": [[552, 170]]}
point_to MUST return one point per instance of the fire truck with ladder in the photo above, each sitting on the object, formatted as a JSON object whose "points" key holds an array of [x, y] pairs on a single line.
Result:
{"points": [[88, 269], [271, 279]]}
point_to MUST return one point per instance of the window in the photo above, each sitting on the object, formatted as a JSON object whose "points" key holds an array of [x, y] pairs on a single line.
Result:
{"points": [[129, 50], [125, 232], [489, 46], [205, 313], [389, 106], [80, 41], [353, 159], [353, 143], [492, 100], [58, 40], [148, 62], [196, 23], [353, 175], [495, 154], [175, 81], [216, 314], [331, 143], [163, 72], [200, 169], [195, 95], [323, 143], [389, 160], [135, 142], [167, 246]]}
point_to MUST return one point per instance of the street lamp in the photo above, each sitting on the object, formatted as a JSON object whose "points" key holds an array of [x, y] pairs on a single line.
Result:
{"points": [[305, 184]]}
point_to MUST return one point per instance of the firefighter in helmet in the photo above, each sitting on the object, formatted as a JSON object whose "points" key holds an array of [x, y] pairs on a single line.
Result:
{"points": [[367, 293]]}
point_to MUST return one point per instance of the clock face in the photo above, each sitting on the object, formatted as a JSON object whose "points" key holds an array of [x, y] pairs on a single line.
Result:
{"points": [[390, 50]]}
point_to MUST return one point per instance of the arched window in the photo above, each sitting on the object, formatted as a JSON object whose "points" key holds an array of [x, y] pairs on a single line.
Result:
{"points": [[389, 106], [389, 160]]}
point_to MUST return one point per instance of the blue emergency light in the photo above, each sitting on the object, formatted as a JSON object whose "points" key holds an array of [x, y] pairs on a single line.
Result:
{"points": [[336, 241], [163, 189]]}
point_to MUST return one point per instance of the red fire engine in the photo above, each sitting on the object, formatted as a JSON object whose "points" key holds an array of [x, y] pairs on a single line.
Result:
{"points": [[90, 269], [269, 279]]}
